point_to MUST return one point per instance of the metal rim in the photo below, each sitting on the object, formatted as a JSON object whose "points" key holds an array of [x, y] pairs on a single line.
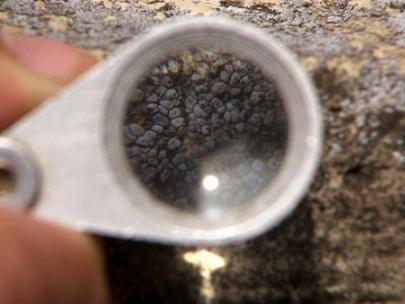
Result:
{"points": [[299, 99], [17, 161]]}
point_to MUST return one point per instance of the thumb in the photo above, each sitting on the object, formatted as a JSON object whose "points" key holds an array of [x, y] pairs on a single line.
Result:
{"points": [[42, 263]]}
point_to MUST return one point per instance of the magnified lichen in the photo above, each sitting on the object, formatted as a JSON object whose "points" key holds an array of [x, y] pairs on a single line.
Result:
{"points": [[202, 112]]}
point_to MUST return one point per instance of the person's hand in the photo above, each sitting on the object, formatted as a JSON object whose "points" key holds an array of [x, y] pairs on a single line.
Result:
{"points": [[40, 262]]}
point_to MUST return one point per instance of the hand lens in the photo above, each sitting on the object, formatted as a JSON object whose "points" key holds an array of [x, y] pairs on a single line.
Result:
{"points": [[201, 131]]}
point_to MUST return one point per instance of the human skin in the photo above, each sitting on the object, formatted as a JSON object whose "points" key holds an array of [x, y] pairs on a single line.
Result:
{"points": [[42, 262]]}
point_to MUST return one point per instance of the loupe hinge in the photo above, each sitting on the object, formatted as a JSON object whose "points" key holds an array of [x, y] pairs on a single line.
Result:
{"points": [[19, 175]]}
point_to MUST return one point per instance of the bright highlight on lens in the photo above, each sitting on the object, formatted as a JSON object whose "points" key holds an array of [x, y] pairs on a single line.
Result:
{"points": [[210, 182]]}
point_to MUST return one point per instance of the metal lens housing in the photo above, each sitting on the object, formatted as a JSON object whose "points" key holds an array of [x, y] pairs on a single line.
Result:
{"points": [[302, 152], [21, 174]]}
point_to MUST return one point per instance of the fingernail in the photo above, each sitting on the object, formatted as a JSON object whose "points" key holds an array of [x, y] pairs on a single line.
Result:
{"points": [[50, 59]]}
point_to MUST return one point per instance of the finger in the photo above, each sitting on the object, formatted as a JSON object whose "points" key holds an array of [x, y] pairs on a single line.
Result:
{"points": [[41, 263], [20, 90], [48, 59], [31, 70]]}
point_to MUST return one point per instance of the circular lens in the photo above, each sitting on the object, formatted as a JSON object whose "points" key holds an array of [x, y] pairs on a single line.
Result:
{"points": [[205, 130], [214, 117]]}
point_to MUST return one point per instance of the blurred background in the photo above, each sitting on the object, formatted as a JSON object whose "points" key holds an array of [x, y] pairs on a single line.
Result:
{"points": [[346, 241]]}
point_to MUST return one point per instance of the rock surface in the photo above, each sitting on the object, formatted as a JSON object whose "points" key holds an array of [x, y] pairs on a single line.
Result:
{"points": [[207, 131], [346, 241]]}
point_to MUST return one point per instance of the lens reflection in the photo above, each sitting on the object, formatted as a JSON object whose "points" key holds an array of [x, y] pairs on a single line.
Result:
{"points": [[210, 182]]}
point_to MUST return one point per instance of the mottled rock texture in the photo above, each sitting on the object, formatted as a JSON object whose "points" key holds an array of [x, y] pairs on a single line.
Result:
{"points": [[204, 112], [346, 241]]}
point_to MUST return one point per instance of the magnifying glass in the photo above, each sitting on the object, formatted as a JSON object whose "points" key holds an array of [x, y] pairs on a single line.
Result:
{"points": [[203, 131]]}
